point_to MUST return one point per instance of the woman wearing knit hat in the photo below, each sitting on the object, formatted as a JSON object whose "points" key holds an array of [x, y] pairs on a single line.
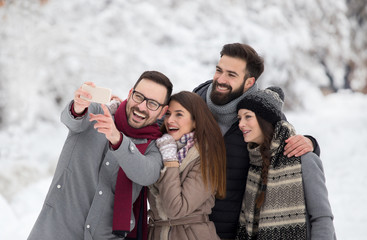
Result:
{"points": [[285, 198]]}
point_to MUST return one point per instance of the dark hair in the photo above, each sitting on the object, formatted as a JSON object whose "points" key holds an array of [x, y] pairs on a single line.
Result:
{"points": [[254, 63], [159, 78], [209, 141], [268, 131]]}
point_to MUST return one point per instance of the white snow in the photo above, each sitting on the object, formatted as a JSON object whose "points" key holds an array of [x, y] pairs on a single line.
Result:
{"points": [[48, 50]]}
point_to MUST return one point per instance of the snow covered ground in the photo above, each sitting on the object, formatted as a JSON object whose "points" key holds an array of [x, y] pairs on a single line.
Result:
{"points": [[339, 122], [48, 50]]}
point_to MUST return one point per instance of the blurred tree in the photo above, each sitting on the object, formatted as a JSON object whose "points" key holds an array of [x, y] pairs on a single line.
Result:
{"points": [[356, 67]]}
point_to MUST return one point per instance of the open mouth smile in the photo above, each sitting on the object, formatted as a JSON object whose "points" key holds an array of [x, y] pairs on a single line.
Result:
{"points": [[222, 88], [173, 129], [245, 132], [139, 115]]}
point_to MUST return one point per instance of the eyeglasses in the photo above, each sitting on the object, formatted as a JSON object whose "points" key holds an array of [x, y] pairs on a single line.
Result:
{"points": [[151, 104]]}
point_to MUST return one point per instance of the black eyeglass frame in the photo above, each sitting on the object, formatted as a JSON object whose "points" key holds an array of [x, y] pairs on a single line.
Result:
{"points": [[147, 100]]}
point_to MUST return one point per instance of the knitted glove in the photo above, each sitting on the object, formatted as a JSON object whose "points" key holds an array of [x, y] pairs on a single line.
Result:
{"points": [[168, 147], [113, 105]]}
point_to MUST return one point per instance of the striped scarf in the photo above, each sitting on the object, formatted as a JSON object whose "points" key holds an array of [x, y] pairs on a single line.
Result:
{"points": [[184, 144], [283, 214]]}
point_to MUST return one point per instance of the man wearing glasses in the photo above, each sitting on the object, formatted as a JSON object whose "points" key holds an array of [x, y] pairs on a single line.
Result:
{"points": [[97, 191]]}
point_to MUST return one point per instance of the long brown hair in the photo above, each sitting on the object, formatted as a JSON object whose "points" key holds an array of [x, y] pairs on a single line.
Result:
{"points": [[268, 131], [209, 141]]}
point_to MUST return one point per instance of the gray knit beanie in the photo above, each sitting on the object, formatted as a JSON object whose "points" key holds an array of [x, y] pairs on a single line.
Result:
{"points": [[266, 103]]}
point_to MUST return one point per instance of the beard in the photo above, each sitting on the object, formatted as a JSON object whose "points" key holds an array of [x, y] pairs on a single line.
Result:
{"points": [[142, 123], [219, 98]]}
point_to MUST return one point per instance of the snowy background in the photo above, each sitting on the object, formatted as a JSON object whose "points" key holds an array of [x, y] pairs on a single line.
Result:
{"points": [[315, 50]]}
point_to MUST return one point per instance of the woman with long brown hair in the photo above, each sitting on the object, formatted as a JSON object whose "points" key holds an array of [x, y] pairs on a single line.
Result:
{"points": [[285, 197], [194, 172]]}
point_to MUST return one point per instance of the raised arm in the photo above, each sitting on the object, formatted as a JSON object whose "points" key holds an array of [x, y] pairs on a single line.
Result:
{"points": [[139, 168], [74, 115], [298, 145]]}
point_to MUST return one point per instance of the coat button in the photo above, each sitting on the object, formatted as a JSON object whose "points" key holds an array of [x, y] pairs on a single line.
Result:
{"points": [[132, 148], [107, 163], [59, 186], [88, 226], [100, 192]]}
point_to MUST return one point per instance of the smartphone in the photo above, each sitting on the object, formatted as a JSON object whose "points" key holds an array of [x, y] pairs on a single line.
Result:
{"points": [[99, 94]]}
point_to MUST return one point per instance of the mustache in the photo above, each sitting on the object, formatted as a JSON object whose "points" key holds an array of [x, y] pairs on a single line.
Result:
{"points": [[139, 111], [222, 85]]}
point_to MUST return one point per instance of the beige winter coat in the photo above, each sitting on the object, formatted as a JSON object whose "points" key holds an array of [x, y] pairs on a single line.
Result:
{"points": [[180, 203]]}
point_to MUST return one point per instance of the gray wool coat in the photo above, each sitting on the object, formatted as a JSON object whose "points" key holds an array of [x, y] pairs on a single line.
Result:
{"points": [[79, 203]]}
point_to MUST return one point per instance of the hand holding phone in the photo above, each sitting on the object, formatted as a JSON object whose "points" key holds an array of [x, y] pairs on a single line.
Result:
{"points": [[99, 94]]}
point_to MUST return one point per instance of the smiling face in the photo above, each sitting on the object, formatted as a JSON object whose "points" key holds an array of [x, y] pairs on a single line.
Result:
{"points": [[178, 121], [250, 127], [229, 81], [138, 115]]}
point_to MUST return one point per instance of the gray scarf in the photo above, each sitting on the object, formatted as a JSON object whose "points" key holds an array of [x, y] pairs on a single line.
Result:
{"points": [[226, 115]]}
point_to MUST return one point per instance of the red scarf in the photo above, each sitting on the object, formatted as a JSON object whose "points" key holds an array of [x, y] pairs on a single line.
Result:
{"points": [[123, 191]]}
